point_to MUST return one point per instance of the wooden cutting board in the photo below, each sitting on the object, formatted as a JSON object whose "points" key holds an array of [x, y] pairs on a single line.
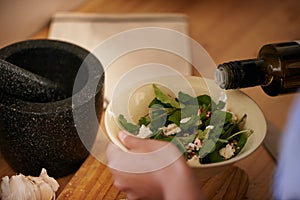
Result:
{"points": [[94, 181]]}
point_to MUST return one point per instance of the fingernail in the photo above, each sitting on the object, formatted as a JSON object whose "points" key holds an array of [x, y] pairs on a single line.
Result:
{"points": [[122, 135]]}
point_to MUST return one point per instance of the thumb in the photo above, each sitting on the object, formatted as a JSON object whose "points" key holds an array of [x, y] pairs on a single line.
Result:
{"points": [[140, 145], [131, 142]]}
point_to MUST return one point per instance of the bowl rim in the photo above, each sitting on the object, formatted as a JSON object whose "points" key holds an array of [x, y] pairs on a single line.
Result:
{"points": [[113, 138]]}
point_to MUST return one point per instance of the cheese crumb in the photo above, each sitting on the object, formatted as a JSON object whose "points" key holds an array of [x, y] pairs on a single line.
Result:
{"points": [[210, 127], [171, 129], [144, 132], [198, 144], [228, 151], [194, 161], [185, 120]]}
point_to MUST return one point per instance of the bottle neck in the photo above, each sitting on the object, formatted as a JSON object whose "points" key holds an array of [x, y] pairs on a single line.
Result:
{"points": [[241, 74]]}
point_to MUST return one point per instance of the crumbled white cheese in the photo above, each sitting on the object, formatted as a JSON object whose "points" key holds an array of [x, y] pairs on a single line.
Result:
{"points": [[194, 161], [198, 144], [210, 127], [190, 147], [171, 129], [144, 132], [185, 120], [227, 151], [194, 146]]}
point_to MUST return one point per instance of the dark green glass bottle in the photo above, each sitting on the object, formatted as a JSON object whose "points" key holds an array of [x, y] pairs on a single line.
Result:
{"points": [[276, 69]]}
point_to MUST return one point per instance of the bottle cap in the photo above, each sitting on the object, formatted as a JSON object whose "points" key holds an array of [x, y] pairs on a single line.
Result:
{"points": [[221, 77], [229, 75], [239, 74]]}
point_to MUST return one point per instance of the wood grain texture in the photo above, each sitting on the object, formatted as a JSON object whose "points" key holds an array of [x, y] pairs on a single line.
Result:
{"points": [[94, 181], [232, 184]]}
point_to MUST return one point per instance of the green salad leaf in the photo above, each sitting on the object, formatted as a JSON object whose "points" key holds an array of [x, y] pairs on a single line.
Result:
{"points": [[132, 128], [196, 125], [166, 99]]}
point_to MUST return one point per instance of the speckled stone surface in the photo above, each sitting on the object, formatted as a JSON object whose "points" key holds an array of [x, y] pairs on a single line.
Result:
{"points": [[34, 134], [22, 84]]}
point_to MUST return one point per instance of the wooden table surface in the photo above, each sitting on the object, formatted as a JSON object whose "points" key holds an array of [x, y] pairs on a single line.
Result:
{"points": [[228, 30]]}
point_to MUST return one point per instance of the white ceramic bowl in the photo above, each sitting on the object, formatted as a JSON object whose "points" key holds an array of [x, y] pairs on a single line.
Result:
{"points": [[132, 101]]}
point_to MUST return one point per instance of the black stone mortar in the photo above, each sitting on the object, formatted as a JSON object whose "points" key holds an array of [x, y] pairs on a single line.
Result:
{"points": [[36, 135]]}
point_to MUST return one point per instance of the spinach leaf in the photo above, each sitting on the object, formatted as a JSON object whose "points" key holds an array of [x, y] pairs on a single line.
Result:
{"points": [[219, 117], [164, 98], [154, 101], [189, 110], [202, 134], [175, 117], [132, 128], [157, 135], [158, 116], [204, 110], [221, 105], [214, 157], [189, 126], [157, 101], [187, 99], [233, 128], [143, 121], [246, 133], [241, 143], [204, 100], [208, 146], [185, 140]]}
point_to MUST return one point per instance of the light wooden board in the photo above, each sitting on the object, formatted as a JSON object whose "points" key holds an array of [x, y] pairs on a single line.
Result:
{"points": [[94, 181]]}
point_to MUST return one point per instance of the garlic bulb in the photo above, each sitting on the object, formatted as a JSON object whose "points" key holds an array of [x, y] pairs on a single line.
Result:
{"points": [[20, 187]]}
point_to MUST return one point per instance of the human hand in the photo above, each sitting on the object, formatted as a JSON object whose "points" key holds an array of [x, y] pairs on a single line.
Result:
{"points": [[151, 169]]}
